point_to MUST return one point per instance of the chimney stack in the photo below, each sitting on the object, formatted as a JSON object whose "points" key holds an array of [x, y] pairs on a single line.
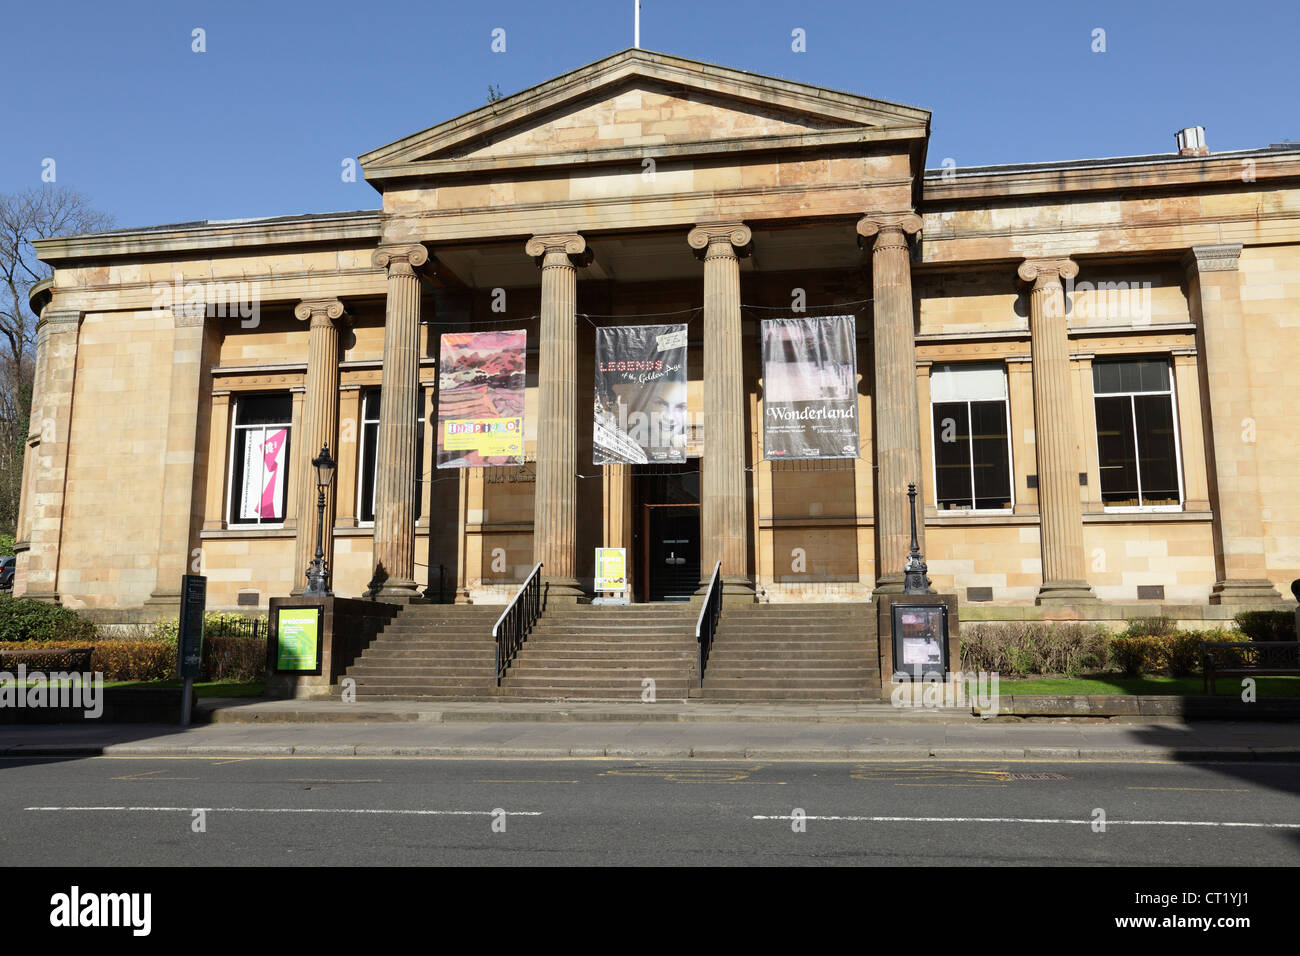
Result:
{"points": [[1191, 141]]}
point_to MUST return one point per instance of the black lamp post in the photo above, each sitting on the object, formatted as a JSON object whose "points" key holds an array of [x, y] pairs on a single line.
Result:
{"points": [[317, 572], [914, 571]]}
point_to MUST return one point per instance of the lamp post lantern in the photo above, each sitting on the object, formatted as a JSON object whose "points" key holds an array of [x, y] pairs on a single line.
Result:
{"points": [[318, 572]]}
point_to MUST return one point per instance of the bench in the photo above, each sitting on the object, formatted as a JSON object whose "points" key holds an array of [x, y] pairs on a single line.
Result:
{"points": [[1248, 659]]}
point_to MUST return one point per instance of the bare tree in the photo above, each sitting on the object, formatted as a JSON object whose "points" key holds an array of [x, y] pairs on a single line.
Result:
{"points": [[24, 217]]}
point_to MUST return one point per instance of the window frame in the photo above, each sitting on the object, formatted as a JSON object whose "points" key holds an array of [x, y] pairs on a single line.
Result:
{"points": [[934, 457], [1171, 392], [420, 480], [230, 520]]}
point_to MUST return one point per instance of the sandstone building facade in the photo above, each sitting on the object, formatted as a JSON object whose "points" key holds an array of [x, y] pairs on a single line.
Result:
{"points": [[1087, 368]]}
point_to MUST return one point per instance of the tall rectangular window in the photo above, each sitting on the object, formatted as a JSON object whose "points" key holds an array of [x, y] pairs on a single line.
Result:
{"points": [[259, 457], [972, 446], [1137, 441], [369, 455]]}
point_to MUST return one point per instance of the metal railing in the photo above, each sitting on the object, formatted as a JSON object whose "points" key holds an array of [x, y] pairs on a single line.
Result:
{"points": [[512, 627], [709, 614]]}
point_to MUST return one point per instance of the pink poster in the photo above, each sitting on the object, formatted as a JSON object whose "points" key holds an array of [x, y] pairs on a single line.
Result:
{"points": [[263, 492]]}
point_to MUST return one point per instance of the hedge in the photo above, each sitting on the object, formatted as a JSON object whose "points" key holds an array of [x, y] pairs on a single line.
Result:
{"points": [[1018, 649], [224, 658]]}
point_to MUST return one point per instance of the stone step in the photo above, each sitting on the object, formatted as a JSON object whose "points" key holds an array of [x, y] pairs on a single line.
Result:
{"points": [[402, 652], [786, 681], [768, 693], [443, 692], [662, 692], [408, 682]]}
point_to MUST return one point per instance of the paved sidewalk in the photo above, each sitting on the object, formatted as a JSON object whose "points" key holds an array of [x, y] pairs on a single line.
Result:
{"points": [[793, 741]]}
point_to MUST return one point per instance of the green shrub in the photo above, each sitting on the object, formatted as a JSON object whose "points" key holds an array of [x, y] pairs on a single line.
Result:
{"points": [[22, 619], [1021, 648], [1135, 656], [1150, 627], [1267, 625], [1182, 653], [6, 545]]}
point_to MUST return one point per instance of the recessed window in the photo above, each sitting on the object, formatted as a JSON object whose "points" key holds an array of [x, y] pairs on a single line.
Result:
{"points": [[1137, 441], [972, 447], [259, 457], [369, 455]]}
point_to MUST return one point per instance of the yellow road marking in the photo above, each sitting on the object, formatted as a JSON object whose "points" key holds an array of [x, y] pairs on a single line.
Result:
{"points": [[1198, 789]]}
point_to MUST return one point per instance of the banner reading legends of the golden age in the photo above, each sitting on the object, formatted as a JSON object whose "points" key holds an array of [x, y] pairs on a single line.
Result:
{"points": [[810, 394], [481, 399], [640, 413]]}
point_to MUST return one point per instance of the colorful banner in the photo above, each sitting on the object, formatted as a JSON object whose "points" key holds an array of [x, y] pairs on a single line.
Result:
{"points": [[641, 414], [810, 393], [481, 399], [262, 494]]}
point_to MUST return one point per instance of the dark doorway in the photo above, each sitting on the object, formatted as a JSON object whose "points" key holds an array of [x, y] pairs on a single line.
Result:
{"points": [[670, 533]]}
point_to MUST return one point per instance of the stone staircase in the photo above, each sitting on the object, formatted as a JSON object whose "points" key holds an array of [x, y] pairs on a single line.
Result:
{"points": [[431, 650], [794, 652], [605, 652]]}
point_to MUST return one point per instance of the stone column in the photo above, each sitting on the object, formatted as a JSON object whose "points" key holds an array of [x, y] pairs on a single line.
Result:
{"points": [[196, 347], [320, 419], [897, 417], [1214, 296], [1055, 427], [56, 349], [555, 495], [394, 555], [724, 526]]}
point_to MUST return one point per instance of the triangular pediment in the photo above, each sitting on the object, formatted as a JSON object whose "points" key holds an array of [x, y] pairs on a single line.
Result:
{"points": [[637, 100]]}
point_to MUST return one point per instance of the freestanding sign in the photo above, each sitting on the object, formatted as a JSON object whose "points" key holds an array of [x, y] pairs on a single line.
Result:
{"points": [[189, 644], [611, 575], [297, 646], [920, 634]]}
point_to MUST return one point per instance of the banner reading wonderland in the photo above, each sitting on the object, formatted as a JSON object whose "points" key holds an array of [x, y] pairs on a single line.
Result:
{"points": [[810, 394], [640, 414], [481, 399]]}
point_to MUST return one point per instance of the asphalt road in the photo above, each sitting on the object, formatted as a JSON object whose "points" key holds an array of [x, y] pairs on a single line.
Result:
{"points": [[123, 811]]}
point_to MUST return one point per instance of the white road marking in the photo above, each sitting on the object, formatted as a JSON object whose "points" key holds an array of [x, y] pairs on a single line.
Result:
{"points": [[1109, 822], [416, 813]]}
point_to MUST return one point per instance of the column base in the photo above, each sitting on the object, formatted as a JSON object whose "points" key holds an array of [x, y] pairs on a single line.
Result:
{"points": [[395, 591], [1244, 591], [562, 591], [888, 584], [735, 590], [462, 596], [164, 597], [1065, 592]]}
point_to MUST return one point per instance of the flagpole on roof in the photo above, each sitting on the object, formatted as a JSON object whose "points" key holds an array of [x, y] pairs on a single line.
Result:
{"points": [[636, 37]]}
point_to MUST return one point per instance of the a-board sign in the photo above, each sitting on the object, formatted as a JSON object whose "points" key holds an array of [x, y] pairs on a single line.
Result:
{"points": [[611, 569], [297, 647], [920, 633], [189, 644]]}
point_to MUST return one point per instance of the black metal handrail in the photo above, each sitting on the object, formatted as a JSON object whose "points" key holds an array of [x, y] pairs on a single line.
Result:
{"points": [[709, 614], [512, 627]]}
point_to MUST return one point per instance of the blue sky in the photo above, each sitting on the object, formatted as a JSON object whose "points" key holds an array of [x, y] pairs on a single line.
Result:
{"points": [[259, 124]]}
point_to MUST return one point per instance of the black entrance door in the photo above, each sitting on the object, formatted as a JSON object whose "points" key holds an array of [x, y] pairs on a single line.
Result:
{"points": [[673, 559]]}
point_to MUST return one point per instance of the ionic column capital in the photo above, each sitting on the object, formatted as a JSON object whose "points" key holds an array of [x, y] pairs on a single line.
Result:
{"points": [[888, 228], [562, 249], [319, 311], [731, 239], [1218, 258], [1047, 272], [400, 259]]}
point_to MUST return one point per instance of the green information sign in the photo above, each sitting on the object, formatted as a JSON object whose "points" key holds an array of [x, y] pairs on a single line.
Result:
{"points": [[297, 639]]}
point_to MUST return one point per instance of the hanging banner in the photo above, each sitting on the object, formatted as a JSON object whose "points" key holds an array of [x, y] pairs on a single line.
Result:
{"points": [[810, 394], [641, 414], [262, 493], [481, 399]]}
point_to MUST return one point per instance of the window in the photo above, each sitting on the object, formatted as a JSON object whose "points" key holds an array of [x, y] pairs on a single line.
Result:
{"points": [[259, 457], [972, 448], [369, 455], [1137, 444]]}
